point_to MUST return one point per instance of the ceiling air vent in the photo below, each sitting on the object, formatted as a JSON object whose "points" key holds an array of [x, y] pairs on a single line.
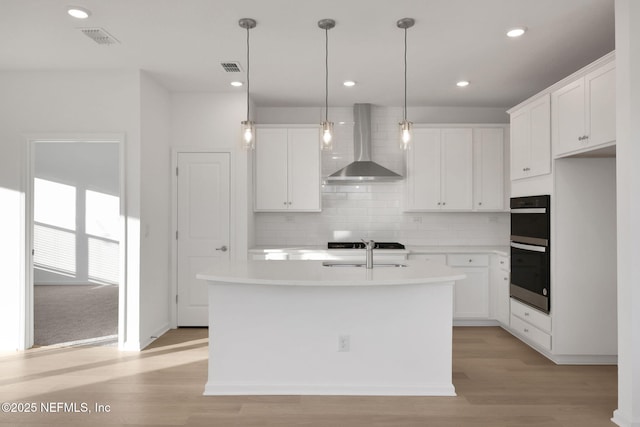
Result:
{"points": [[231, 67], [99, 35]]}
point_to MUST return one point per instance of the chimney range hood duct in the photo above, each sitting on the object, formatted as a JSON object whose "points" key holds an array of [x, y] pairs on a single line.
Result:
{"points": [[363, 169]]}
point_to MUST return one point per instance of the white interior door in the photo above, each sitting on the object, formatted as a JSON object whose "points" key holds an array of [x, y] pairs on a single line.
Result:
{"points": [[203, 229]]}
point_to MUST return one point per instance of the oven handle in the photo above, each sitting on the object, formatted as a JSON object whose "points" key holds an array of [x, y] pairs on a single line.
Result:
{"points": [[528, 247], [529, 211]]}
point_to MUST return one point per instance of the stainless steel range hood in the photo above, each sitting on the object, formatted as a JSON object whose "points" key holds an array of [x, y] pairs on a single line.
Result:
{"points": [[363, 169]]}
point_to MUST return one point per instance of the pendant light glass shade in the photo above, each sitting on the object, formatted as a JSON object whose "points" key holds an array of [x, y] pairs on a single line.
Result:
{"points": [[248, 134], [326, 138], [406, 133], [327, 135], [248, 130]]}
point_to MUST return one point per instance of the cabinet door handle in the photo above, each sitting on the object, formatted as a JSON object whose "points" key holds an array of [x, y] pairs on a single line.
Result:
{"points": [[222, 248], [526, 330], [526, 313], [479, 203]]}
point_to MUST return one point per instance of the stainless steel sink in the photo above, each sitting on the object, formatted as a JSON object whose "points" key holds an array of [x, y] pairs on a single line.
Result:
{"points": [[360, 264]]}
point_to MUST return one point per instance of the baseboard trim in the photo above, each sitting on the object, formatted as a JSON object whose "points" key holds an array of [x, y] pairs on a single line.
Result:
{"points": [[231, 389], [155, 335], [475, 322], [623, 421]]}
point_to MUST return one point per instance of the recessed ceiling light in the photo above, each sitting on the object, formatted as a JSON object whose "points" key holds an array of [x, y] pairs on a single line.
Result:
{"points": [[236, 84], [78, 12], [349, 83], [516, 32], [462, 83]]}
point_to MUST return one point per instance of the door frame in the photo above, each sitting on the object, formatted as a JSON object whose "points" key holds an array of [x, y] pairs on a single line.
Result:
{"points": [[27, 291], [173, 311]]}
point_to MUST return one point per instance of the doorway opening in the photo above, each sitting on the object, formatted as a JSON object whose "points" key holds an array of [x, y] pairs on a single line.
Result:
{"points": [[75, 228]]}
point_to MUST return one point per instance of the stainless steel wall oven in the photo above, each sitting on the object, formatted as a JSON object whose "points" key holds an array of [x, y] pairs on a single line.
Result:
{"points": [[530, 247]]}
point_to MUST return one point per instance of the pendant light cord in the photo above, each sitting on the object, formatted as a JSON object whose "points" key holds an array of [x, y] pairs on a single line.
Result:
{"points": [[326, 74], [405, 75], [248, 74]]}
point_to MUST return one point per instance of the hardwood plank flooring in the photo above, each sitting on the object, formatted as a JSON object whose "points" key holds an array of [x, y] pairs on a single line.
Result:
{"points": [[499, 381]]}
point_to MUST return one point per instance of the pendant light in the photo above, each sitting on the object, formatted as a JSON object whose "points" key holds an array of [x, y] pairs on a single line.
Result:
{"points": [[248, 127], [326, 141], [405, 125]]}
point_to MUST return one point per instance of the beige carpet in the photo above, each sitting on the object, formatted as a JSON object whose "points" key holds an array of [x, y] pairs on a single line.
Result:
{"points": [[75, 314]]}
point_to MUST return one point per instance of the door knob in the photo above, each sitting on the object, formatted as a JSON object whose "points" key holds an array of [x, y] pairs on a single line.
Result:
{"points": [[222, 248]]}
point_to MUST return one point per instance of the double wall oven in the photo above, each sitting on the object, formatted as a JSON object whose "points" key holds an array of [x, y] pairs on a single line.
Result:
{"points": [[530, 246]]}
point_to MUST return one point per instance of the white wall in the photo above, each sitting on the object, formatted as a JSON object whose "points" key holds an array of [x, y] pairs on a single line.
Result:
{"points": [[50, 102], [155, 209], [375, 211], [211, 122]]}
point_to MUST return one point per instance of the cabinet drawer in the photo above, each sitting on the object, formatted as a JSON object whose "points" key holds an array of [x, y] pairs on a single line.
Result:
{"points": [[468, 260], [530, 332], [440, 259], [531, 315]]}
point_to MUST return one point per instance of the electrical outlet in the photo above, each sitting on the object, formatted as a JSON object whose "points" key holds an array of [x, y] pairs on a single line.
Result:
{"points": [[344, 343]]}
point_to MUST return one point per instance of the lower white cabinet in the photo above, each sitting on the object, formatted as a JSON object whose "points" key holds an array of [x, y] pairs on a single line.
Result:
{"points": [[471, 295], [499, 292], [432, 258], [531, 324]]}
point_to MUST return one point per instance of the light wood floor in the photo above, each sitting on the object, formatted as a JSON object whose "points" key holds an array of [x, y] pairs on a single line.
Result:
{"points": [[499, 381]]}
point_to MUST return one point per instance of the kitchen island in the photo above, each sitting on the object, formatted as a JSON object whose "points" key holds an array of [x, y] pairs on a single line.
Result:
{"points": [[301, 327]]}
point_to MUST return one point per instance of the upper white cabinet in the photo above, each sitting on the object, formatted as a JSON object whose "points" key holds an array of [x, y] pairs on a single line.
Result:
{"points": [[439, 169], [584, 112], [531, 139], [287, 169], [488, 169]]}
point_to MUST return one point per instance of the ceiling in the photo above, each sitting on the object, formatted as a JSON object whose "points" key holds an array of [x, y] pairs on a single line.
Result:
{"points": [[183, 42]]}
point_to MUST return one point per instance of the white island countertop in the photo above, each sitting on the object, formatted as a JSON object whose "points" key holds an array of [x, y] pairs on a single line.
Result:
{"points": [[314, 273]]}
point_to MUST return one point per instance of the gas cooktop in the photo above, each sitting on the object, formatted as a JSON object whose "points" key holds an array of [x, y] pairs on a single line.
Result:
{"points": [[360, 245]]}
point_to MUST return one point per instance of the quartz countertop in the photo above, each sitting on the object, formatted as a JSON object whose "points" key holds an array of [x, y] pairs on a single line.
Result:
{"points": [[409, 249], [313, 273]]}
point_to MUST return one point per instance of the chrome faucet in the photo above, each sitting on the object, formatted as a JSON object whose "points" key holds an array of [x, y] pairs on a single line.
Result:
{"points": [[369, 248]]}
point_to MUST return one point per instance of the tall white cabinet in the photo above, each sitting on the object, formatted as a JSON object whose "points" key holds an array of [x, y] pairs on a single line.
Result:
{"points": [[287, 169], [581, 326]]}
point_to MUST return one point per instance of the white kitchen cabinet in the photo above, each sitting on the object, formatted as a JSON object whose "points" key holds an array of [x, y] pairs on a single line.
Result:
{"points": [[488, 169], [471, 295], [531, 324], [439, 170], [440, 259], [287, 169], [499, 303], [531, 139], [584, 112]]}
